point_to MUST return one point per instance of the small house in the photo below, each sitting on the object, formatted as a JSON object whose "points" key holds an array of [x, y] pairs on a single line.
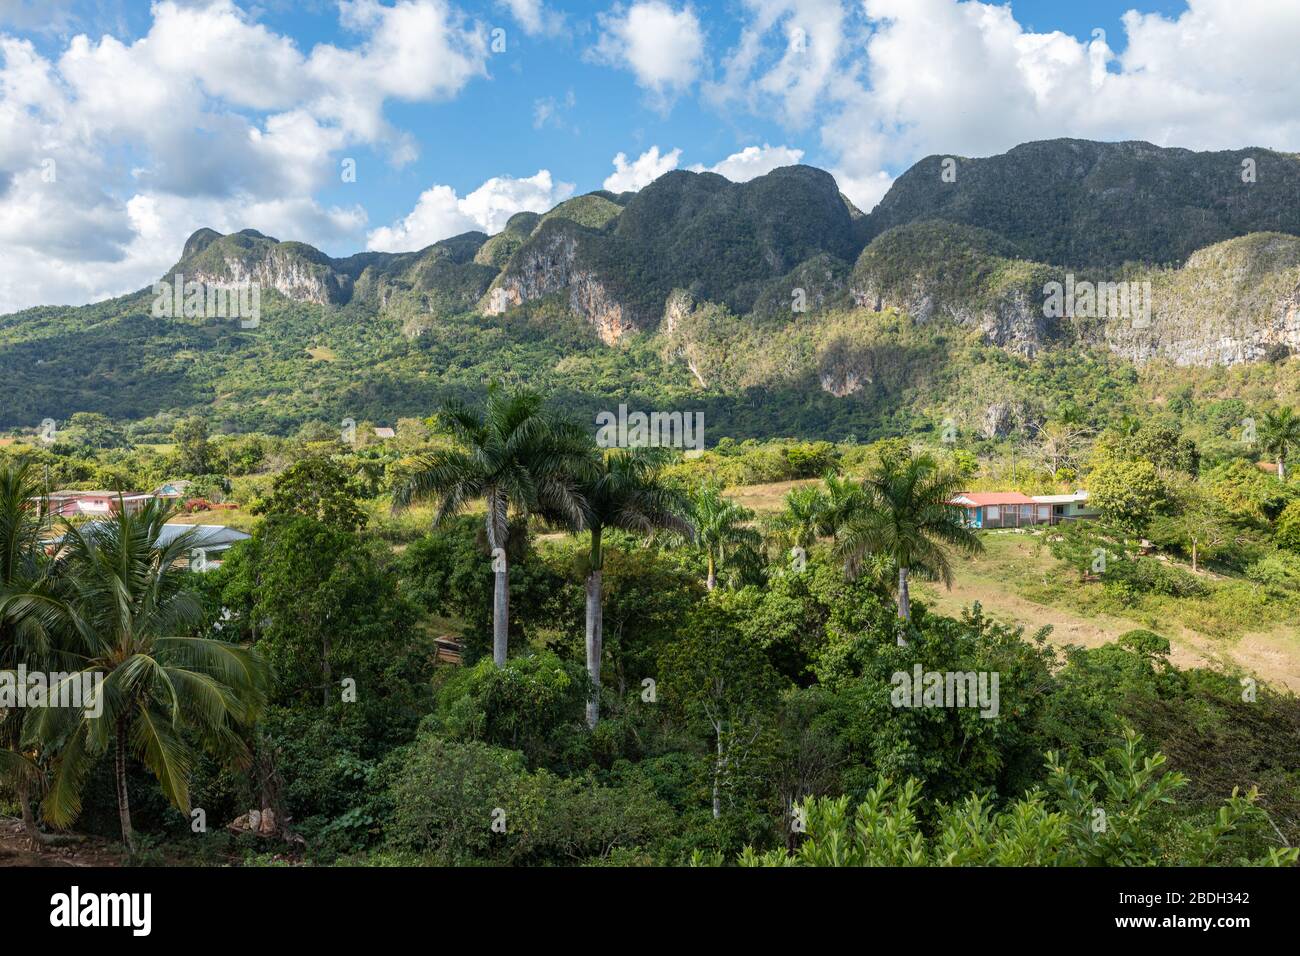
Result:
{"points": [[65, 504], [999, 509], [208, 543], [1069, 507]]}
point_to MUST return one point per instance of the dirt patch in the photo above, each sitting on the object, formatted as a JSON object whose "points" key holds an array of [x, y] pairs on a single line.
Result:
{"points": [[766, 498], [17, 850], [1272, 656]]}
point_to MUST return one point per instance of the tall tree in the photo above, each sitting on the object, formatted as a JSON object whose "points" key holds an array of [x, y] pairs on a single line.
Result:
{"points": [[1279, 435], [514, 456], [721, 528], [29, 613], [130, 609], [621, 490], [799, 523], [905, 515]]}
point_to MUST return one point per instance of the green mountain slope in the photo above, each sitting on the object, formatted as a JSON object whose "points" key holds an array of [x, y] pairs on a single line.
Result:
{"points": [[774, 305], [1084, 204]]}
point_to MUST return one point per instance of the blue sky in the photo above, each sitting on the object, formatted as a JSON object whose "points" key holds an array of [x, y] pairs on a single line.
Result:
{"points": [[160, 118]]}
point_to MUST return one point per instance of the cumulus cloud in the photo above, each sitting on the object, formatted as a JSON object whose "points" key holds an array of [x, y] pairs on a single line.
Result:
{"points": [[441, 213], [887, 82], [662, 46], [645, 169], [752, 161], [112, 151], [788, 54]]}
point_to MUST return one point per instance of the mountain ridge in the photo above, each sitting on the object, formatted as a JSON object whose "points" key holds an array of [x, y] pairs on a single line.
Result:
{"points": [[695, 277]]}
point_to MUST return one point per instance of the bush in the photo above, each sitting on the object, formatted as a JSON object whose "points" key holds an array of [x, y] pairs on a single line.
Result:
{"points": [[533, 704], [1135, 577], [448, 795]]}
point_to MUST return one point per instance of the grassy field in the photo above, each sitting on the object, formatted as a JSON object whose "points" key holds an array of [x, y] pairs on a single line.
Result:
{"points": [[1017, 581]]}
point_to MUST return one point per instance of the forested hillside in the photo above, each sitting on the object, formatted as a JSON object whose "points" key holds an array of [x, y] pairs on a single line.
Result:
{"points": [[773, 305]]}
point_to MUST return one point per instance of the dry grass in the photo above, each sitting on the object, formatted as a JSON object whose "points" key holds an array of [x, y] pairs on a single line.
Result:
{"points": [[766, 499]]}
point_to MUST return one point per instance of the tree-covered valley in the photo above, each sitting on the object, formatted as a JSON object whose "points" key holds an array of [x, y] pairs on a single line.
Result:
{"points": [[462, 631]]}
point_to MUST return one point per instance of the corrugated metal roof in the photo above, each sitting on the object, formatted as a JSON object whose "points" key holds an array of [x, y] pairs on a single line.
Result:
{"points": [[978, 499]]}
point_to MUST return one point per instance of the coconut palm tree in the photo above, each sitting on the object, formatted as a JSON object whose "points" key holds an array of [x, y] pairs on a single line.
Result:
{"points": [[843, 497], [721, 528], [515, 457], [129, 609], [904, 516], [622, 490], [798, 525], [1279, 435], [29, 613]]}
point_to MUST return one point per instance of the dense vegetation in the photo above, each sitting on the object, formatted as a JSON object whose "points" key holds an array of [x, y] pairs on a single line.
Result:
{"points": [[744, 705]]}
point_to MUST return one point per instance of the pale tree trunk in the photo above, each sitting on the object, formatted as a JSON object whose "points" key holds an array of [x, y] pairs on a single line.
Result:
{"points": [[501, 585], [712, 581], [594, 635], [1281, 469], [123, 802], [595, 628], [500, 617], [904, 604], [1193, 554]]}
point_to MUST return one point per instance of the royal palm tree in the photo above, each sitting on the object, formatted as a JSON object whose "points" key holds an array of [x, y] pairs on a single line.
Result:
{"points": [[1279, 435], [129, 613], [514, 456], [622, 490], [721, 528], [905, 516]]}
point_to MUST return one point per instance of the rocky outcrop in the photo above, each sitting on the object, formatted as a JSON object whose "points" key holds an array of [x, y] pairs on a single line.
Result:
{"points": [[1014, 321], [286, 273], [549, 264], [1234, 302]]}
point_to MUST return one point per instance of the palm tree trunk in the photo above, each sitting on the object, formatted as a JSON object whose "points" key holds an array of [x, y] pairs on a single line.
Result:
{"points": [[1193, 554], [1281, 468], [501, 585], [595, 627], [24, 795], [904, 603], [712, 581], [123, 802], [501, 616]]}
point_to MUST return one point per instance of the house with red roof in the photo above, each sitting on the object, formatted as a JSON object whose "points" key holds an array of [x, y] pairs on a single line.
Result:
{"points": [[1011, 509]]}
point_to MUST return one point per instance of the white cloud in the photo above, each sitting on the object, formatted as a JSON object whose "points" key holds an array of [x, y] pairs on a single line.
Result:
{"points": [[751, 162], [887, 82], [534, 16], [549, 111], [645, 169], [440, 213], [208, 119], [662, 46], [148, 231], [787, 55]]}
